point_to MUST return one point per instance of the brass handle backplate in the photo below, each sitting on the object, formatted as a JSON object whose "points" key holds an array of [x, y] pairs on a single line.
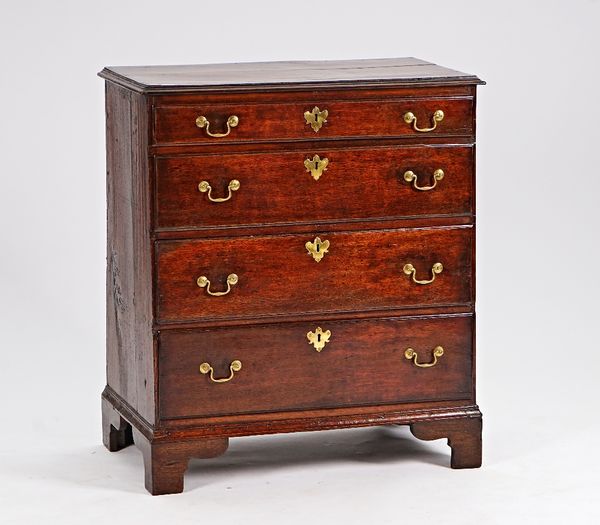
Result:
{"points": [[316, 166], [317, 248], [410, 354], [233, 185], [436, 269], [203, 122], [410, 118], [316, 118], [234, 367], [318, 338], [409, 176], [203, 282]]}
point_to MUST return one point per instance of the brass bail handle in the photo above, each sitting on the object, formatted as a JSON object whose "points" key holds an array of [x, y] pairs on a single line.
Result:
{"points": [[436, 269], [203, 123], [205, 187], [410, 118], [410, 176], [203, 282], [234, 367], [410, 354]]}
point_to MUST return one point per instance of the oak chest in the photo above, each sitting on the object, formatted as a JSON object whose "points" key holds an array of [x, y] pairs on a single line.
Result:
{"points": [[290, 247]]}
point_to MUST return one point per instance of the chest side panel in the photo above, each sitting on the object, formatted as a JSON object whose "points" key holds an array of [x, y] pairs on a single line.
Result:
{"points": [[130, 346]]}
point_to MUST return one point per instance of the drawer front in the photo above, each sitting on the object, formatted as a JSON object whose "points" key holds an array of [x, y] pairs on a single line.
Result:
{"points": [[313, 185], [363, 363], [278, 275], [287, 121]]}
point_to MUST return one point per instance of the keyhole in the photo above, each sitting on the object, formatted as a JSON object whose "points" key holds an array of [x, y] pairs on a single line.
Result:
{"points": [[318, 338], [318, 248]]}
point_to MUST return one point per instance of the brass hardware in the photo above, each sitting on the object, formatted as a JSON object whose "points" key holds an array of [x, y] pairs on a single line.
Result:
{"points": [[410, 118], [316, 118], [234, 367], [436, 269], [317, 248], [233, 185], [316, 166], [232, 122], [410, 354], [409, 176], [203, 282], [318, 338]]}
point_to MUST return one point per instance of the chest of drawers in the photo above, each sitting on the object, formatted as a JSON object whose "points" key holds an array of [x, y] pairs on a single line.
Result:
{"points": [[290, 247]]}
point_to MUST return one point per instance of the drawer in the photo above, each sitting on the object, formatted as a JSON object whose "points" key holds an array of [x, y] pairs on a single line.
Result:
{"points": [[363, 363], [236, 122], [277, 275], [316, 185]]}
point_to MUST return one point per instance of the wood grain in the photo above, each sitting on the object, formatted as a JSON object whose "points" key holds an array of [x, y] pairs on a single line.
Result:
{"points": [[363, 364], [281, 74], [285, 121], [276, 188], [129, 340], [362, 271]]}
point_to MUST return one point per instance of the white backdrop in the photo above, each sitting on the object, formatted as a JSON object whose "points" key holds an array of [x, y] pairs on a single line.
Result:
{"points": [[538, 248]]}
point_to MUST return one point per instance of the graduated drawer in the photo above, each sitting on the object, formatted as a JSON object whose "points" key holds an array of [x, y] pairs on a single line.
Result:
{"points": [[179, 124], [277, 275], [363, 363], [320, 184]]}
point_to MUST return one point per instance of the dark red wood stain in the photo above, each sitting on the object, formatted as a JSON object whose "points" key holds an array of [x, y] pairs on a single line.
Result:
{"points": [[361, 271], [362, 364], [163, 234], [275, 188]]}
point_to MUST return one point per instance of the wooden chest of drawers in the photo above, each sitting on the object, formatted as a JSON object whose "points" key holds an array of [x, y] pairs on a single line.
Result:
{"points": [[290, 247]]}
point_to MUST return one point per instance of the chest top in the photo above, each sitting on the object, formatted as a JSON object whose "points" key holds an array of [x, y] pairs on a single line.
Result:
{"points": [[277, 75]]}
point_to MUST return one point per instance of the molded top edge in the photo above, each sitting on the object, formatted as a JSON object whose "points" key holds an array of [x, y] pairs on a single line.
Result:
{"points": [[282, 75]]}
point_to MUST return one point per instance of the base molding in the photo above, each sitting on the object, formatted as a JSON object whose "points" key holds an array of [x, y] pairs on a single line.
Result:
{"points": [[168, 447]]}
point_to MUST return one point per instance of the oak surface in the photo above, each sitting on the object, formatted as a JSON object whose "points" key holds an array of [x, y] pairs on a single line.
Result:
{"points": [[176, 124], [361, 271], [129, 339], [163, 234], [362, 364], [277, 188], [401, 70]]}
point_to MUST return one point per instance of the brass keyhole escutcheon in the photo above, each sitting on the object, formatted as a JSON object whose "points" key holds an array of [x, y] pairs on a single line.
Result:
{"points": [[316, 166], [316, 118], [319, 338], [317, 248]]}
